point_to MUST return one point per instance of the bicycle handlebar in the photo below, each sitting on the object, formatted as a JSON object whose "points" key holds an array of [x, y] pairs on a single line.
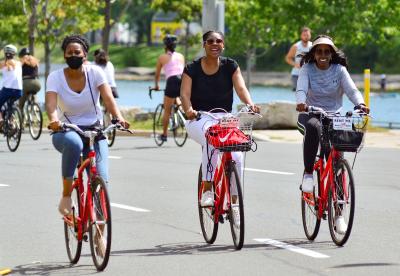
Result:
{"points": [[246, 110], [320, 111], [151, 89], [76, 128]]}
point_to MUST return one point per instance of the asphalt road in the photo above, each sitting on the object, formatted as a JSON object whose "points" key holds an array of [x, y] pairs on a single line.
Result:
{"points": [[159, 232]]}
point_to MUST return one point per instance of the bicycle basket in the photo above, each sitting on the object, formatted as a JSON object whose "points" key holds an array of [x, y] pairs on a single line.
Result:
{"points": [[348, 140], [229, 138]]}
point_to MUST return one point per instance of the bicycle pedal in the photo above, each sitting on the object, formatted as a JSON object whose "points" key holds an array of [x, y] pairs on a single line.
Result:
{"points": [[221, 219], [85, 237], [324, 215]]}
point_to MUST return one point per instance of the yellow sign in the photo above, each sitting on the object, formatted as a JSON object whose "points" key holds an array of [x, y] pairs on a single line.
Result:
{"points": [[160, 29]]}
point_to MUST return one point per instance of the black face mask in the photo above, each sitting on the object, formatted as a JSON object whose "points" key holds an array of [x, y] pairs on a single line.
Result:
{"points": [[74, 62]]}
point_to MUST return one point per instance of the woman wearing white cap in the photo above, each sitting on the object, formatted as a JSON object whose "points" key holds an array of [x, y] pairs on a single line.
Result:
{"points": [[322, 81]]}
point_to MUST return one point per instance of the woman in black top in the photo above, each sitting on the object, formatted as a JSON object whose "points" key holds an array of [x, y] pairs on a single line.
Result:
{"points": [[207, 83], [30, 75]]}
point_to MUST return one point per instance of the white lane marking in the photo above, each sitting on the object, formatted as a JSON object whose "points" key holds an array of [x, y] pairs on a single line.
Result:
{"points": [[293, 248], [268, 171], [127, 207], [4, 185], [114, 157]]}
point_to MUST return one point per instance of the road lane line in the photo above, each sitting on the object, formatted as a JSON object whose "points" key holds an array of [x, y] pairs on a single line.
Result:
{"points": [[127, 207], [114, 157], [4, 185], [293, 248], [268, 171]]}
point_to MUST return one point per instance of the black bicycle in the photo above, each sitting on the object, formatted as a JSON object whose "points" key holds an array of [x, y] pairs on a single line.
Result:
{"points": [[33, 116], [12, 124], [176, 123]]}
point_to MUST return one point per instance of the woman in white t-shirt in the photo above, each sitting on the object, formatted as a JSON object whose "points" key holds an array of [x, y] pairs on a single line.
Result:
{"points": [[72, 96], [102, 60], [12, 77]]}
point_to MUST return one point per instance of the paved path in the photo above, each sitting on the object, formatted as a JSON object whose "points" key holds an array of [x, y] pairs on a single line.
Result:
{"points": [[166, 239]]}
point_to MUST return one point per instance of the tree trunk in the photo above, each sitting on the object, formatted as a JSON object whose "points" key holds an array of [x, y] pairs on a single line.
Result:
{"points": [[249, 64], [107, 25], [47, 52], [32, 25], [186, 54]]}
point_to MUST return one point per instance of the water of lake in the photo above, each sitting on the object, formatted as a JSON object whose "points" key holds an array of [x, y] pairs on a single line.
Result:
{"points": [[384, 107]]}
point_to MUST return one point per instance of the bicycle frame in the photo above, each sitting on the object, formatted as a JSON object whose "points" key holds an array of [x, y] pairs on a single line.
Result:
{"points": [[221, 187], [86, 203], [326, 181]]}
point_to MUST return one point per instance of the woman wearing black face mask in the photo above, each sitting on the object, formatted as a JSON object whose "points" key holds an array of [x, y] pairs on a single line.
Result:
{"points": [[72, 96]]}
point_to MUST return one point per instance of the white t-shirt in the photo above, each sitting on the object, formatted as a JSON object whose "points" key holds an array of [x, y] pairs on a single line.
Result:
{"points": [[109, 71], [78, 108], [13, 78]]}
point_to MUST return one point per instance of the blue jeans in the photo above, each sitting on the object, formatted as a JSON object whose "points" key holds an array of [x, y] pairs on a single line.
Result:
{"points": [[70, 145], [7, 93]]}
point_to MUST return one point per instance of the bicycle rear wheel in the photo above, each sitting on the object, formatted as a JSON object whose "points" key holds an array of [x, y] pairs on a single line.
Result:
{"points": [[158, 124], [74, 246], [110, 135], [309, 210], [35, 120], [342, 204], [209, 227], [179, 130], [100, 224], [236, 210], [13, 129]]}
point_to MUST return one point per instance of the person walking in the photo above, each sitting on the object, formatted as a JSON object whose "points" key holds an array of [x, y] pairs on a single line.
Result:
{"points": [[173, 63], [293, 57]]}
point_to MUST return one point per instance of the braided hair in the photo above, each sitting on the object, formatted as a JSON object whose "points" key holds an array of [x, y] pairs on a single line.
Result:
{"points": [[75, 38]]}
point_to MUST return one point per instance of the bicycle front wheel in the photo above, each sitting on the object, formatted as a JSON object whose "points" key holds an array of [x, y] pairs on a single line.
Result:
{"points": [[341, 203], [179, 130], [35, 120], [110, 135], [309, 210], [73, 244], [209, 227], [236, 210], [100, 224], [14, 129], [158, 124]]}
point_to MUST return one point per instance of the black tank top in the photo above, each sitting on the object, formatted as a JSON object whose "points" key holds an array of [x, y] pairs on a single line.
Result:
{"points": [[29, 71], [212, 91]]}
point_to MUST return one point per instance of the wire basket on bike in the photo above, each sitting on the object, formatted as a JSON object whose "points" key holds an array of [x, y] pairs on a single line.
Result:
{"points": [[346, 133], [230, 135]]}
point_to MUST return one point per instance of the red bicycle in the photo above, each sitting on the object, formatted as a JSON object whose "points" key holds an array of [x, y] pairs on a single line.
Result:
{"points": [[227, 181], [91, 211], [334, 193]]}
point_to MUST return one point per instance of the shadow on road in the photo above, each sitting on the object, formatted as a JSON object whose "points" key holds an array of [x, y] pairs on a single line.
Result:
{"points": [[52, 269], [364, 265]]}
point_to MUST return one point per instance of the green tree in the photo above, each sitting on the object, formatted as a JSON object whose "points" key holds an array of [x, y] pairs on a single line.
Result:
{"points": [[187, 10]]}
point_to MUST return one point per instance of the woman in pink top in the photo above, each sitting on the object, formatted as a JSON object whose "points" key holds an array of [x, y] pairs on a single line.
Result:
{"points": [[173, 64]]}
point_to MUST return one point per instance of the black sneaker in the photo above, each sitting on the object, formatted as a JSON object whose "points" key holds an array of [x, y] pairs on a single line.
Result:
{"points": [[162, 138]]}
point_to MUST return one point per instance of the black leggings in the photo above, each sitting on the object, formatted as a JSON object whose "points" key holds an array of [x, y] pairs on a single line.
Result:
{"points": [[310, 126]]}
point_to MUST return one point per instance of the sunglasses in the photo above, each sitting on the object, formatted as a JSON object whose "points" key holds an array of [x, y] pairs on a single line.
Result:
{"points": [[325, 52], [211, 41]]}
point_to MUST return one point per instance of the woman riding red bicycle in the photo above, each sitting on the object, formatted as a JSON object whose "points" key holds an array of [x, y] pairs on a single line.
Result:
{"points": [[207, 84], [72, 96], [322, 81]]}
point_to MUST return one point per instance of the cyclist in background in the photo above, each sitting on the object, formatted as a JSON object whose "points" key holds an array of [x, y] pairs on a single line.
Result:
{"points": [[173, 63], [207, 84], [72, 96], [322, 81], [12, 77], [102, 60], [30, 76]]}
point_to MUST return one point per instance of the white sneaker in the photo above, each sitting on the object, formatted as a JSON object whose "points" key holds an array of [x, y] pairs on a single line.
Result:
{"points": [[65, 206], [308, 183], [340, 225], [236, 215], [207, 199]]}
